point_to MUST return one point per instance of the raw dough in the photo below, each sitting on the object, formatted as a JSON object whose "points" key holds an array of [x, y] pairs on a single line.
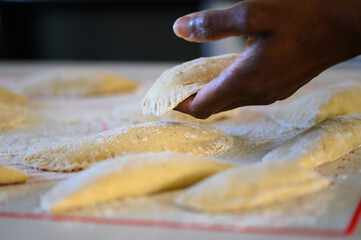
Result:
{"points": [[130, 176], [132, 112], [322, 143], [76, 83], [250, 187], [11, 115], [182, 81], [148, 137], [304, 111], [9, 97], [10, 175]]}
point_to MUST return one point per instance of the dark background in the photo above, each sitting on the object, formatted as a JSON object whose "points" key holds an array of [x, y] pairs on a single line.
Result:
{"points": [[94, 30]]}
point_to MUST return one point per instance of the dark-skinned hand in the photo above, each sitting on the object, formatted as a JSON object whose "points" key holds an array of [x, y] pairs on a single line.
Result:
{"points": [[289, 43]]}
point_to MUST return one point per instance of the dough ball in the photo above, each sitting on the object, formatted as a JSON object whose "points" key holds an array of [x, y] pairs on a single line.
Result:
{"points": [[130, 176], [182, 81], [322, 143], [251, 187], [10, 175], [9, 97], [12, 116], [149, 137], [76, 83]]}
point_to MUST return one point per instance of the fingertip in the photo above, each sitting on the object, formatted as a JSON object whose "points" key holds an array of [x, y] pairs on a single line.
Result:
{"points": [[184, 105], [181, 27]]}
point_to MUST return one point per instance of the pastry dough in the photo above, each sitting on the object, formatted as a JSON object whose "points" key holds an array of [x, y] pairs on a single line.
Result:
{"points": [[149, 137], [10, 175], [250, 187], [322, 143], [9, 97], [11, 115], [76, 83], [130, 176], [313, 107], [182, 81]]}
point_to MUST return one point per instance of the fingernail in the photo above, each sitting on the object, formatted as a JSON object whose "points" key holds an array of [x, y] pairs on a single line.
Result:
{"points": [[181, 27]]}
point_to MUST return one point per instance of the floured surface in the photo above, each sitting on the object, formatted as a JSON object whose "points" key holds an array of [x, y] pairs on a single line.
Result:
{"points": [[254, 132]]}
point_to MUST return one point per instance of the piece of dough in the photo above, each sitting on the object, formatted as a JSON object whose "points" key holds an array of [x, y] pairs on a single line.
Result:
{"points": [[313, 107], [149, 137], [9, 97], [11, 115], [325, 142], [182, 81], [130, 176], [9, 175], [132, 112], [250, 187], [76, 83]]}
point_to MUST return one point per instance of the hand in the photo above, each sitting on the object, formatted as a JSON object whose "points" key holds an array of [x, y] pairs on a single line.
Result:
{"points": [[289, 43]]}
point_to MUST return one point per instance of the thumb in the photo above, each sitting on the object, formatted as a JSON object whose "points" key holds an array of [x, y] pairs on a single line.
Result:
{"points": [[212, 25]]}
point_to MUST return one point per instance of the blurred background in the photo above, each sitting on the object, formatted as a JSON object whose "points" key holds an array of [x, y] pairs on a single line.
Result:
{"points": [[108, 30]]}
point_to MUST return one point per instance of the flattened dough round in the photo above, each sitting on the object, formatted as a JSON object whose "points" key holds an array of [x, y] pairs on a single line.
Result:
{"points": [[250, 187], [11, 115], [182, 81], [304, 111], [325, 142], [149, 137], [76, 83], [130, 176], [9, 97], [10, 175]]}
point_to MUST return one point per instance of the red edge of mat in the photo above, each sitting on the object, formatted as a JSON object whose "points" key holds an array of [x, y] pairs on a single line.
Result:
{"points": [[197, 226]]}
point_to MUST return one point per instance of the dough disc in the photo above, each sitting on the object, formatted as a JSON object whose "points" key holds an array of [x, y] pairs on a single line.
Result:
{"points": [[130, 176], [149, 137], [325, 142], [76, 83], [182, 81], [11, 116], [10, 175], [250, 187]]}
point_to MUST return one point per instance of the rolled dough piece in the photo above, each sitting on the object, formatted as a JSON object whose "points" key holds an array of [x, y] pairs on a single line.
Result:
{"points": [[141, 138], [11, 115], [10, 175], [182, 81], [325, 142], [304, 111], [251, 187], [76, 83], [9, 97], [130, 176]]}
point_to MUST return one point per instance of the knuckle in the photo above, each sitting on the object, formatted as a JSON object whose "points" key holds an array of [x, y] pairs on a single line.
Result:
{"points": [[251, 16], [203, 25]]}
